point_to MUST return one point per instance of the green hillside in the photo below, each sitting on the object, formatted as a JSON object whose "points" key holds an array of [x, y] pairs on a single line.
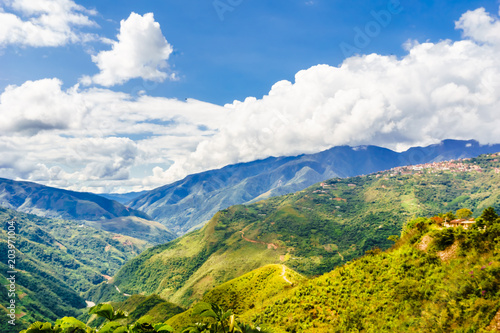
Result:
{"points": [[434, 279], [249, 291], [56, 261], [311, 231], [188, 203], [79, 255], [40, 294]]}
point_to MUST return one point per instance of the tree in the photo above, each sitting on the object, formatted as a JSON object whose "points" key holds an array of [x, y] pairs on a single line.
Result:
{"points": [[64, 325], [489, 215], [464, 213], [449, 217], [107, 311], [72, 325]]}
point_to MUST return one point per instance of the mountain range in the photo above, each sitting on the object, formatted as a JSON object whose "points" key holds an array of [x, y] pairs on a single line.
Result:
{"points": [[264, 249], [187, 204], [313, 230], [33, 198], [169, 211]]}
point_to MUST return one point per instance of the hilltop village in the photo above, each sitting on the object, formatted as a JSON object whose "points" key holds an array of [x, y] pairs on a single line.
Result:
{"points": [[454, 166]]}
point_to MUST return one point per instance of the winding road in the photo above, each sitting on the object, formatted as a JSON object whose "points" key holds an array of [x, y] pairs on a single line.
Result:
{"points": [[269, 245]]}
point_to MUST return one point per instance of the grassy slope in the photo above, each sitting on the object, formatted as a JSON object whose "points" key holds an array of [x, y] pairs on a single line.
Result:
{"points": [[244, 293], [136, 227], [314, 231], [406, 289]]}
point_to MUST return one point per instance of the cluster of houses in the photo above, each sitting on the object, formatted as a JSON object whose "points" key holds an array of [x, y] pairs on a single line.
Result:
{"points": [[453, 166]]}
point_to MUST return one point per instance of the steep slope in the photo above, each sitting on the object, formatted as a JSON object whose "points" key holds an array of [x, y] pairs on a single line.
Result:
{"points": [[311, 231], [188, 203], [411, 288], [136, 227], [99, 212], [56, 261], [246, 292], [40, 295], [78, 255]]}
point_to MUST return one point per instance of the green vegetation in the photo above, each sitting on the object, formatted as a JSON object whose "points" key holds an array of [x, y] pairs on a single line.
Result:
{"points": [[136, 227], [245, 293], [136, 307], [213, 320], [312, 231], [464, 213], [39, 294], [112, 325], [56, 261], [79, 255], [433, 279]]}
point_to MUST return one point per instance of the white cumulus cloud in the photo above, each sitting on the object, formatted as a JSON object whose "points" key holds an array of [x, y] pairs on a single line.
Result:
{"points": [[141, 51], [40, 23], [480, 26]]}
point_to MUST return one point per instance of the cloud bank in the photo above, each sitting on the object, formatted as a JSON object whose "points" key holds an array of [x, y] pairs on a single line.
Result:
{"points": [[40, 23], [100, 140], [96, 139], [449, 89]]}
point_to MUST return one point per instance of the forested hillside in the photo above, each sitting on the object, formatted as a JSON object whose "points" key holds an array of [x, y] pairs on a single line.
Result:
{"points": [[433, 279], [311, 231], [57, 260]]}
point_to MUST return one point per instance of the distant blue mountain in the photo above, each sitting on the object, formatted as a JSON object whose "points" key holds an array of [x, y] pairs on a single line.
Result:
{"points": [[96, 211], [122, 198], [188, 203], [28, 197]]}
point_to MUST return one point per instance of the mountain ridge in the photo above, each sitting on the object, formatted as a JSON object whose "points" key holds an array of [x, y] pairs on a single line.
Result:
{"points": [[91, 209], [52, 202], [186, 204], [313, 230]]}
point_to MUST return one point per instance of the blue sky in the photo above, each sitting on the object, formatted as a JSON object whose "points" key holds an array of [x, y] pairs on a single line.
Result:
{"points": [[255, 45], [113, 96]]}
